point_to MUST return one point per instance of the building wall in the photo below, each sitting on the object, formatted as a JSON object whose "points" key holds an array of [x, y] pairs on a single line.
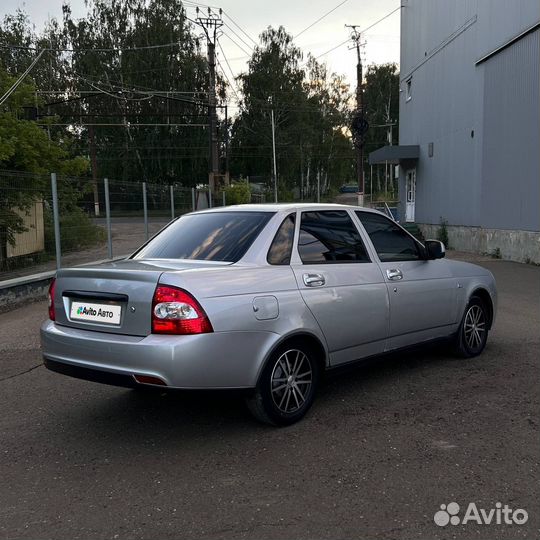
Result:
{"points": [[482, 119], [510, 193], [33, 239]]}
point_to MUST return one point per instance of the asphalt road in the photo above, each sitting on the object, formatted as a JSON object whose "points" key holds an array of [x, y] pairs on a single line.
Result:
{"points": [[384, 446]]}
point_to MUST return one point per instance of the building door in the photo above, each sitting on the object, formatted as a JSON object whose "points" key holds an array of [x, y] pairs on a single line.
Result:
{"points": [[410, 194]]}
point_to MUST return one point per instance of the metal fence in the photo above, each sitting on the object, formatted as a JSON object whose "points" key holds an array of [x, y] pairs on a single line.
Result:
{"points": [[50, 221]]}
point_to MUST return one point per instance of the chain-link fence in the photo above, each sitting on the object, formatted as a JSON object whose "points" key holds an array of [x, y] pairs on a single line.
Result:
{"points": [[25, 221], [52, 221], [47, 221]]}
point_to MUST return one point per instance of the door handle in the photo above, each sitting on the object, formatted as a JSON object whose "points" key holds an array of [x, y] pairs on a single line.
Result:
{"points": [[394, 274], [313, 280]]}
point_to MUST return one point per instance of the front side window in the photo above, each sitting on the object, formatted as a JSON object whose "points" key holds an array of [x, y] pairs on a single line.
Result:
{"points": [[330, 237], [390, 241], [211, 236], [281, 248]]}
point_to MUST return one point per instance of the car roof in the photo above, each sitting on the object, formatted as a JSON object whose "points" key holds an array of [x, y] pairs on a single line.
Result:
{"points": [[285, 207]]}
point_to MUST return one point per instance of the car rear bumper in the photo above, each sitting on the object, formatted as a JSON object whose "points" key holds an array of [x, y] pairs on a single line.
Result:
{"points": [[216, 360]]}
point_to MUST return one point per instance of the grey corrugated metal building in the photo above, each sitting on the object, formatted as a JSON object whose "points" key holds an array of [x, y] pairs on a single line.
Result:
{"points": [[469, 130]]}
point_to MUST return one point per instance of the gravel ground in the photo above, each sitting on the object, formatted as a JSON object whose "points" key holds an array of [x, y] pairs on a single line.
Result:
{"points": [[384, 446]]}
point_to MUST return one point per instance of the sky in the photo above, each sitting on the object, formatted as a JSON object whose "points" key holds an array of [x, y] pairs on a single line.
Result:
{"points": [[253, 16]]}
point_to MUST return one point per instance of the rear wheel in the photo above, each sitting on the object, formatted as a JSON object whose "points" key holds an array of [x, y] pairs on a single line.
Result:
{"points": [[472, 335], [287, 386]]}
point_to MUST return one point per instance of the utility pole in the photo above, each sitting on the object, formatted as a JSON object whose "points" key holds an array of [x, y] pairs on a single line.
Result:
{"points": [[389, 125], [211, 24], [226, 147], [93, 161], [359, 125], [274, 154]]}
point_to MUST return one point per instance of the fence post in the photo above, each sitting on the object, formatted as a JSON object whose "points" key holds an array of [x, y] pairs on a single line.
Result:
{"points": [[193, 198], [56, 220], [108, 218], [209, 197], [145, 210], [224, 199], [171, 187]]}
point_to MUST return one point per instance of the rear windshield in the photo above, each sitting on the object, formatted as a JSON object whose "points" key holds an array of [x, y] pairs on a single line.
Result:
{"points": [[214, 236]]}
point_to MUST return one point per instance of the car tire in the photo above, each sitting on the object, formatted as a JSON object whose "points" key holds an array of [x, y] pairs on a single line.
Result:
{"points": [[287, 386], [471, 337]]}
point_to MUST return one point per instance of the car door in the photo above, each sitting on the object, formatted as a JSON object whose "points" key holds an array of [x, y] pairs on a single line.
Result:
{"points": [[340, 284], [422, 293]]}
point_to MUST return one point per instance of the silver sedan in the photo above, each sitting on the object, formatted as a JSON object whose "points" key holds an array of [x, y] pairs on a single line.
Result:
{"points": [[264, 298]]}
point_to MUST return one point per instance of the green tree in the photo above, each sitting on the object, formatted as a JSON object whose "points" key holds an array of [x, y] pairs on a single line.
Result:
{"points": [[381, 95], [152, 86], [25, 148], [160, 137], [310, 111]]}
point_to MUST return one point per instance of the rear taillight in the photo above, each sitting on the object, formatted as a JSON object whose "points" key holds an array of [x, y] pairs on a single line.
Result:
{"points": [[50, 298], [175, 311]]}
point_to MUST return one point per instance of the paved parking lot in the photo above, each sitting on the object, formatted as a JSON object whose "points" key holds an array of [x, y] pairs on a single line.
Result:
{"points": [[384, 446]]}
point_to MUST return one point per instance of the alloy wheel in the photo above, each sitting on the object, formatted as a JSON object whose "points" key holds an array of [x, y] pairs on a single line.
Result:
{"points": [[291, 381], [474, 327]]}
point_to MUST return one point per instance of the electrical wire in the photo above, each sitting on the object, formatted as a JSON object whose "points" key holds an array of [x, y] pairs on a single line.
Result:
{"points": [[240, 28], [99, 49], [241, 48], [124, 98], [380, 20], [232, 73], [21, 78], [228, 80], [320, 19], [348, 39], [148, 92], [250, 47]]}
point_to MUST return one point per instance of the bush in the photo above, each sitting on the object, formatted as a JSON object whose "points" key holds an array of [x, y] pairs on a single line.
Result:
{"points": [[76, 231], [239, 193], [442, 233]]}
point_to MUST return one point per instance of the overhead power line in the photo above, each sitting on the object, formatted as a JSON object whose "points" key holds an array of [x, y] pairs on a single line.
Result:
{"points": [[248, 54], [124, 125], [240, 28], [20, 79], [152, 93], [233, 86], [249, 47], [320, 19], [361, 32], [99, 49], [380, 20]]}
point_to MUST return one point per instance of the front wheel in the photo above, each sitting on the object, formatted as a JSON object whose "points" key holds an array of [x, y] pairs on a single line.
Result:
{"points": [[287, 385], [473, 332]]}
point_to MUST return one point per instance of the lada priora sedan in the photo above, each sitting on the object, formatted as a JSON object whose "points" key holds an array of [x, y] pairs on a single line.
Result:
{"points": [[264, 298]]}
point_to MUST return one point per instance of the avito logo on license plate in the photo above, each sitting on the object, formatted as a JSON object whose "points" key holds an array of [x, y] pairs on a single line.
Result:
{"points": [[100, 313]]}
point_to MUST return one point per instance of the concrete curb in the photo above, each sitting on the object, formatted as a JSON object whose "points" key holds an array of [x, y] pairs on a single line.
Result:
{"points": [[25, 289]]}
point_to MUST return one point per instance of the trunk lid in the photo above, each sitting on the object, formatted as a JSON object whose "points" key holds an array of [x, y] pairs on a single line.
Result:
{"points": [[114, 297]]}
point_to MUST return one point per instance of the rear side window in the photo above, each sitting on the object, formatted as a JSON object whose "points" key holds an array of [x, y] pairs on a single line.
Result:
{"points": [[330, 237], [390, 241], [281, 248], [212, 236]]}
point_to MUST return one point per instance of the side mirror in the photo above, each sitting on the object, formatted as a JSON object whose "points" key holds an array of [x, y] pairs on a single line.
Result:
{"points": [[434, 249]]}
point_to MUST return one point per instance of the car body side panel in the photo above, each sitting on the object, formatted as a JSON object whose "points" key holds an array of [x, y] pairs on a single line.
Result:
{"points": [[470, 278], [351, 307], [228, 297], [425, 298]]}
